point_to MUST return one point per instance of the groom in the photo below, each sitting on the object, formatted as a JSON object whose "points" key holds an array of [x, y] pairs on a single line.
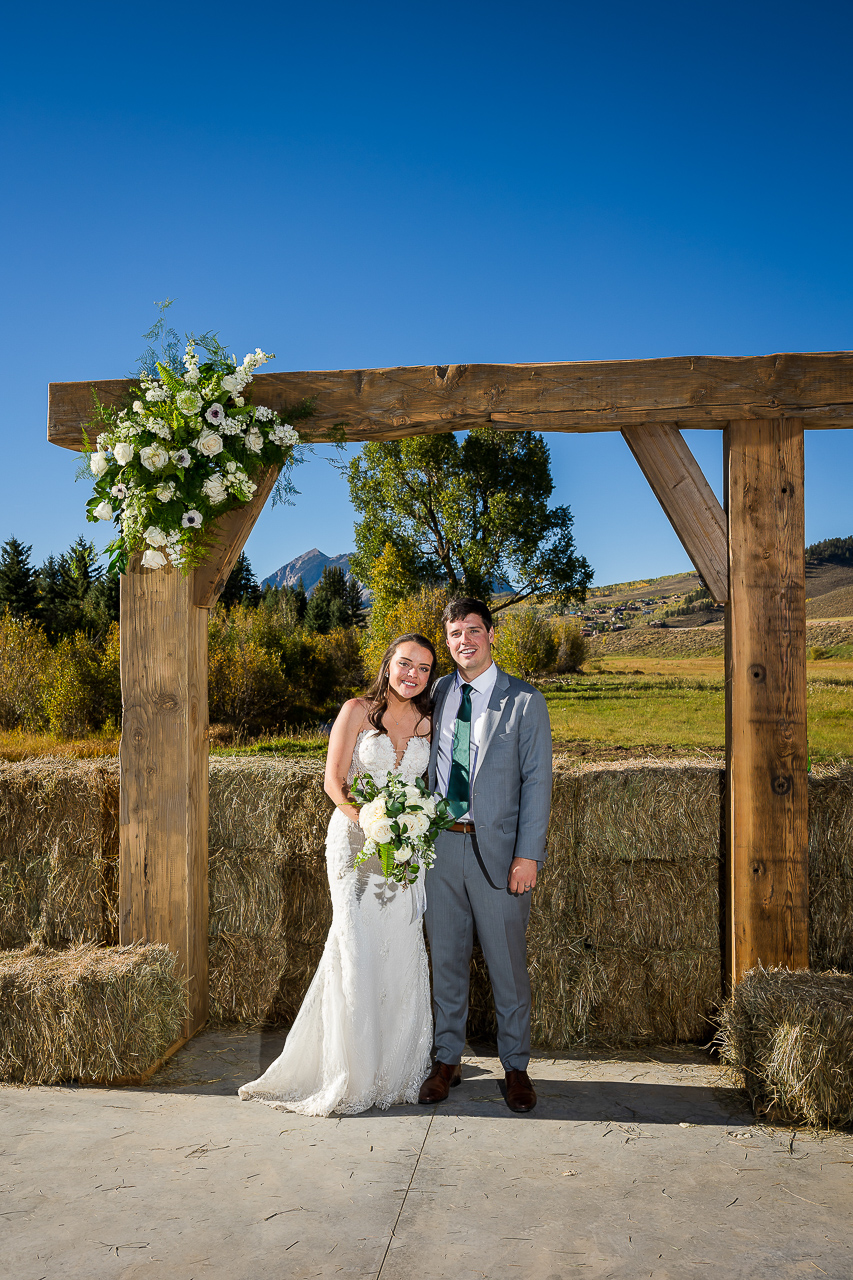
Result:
{"points": [[491, 757]]}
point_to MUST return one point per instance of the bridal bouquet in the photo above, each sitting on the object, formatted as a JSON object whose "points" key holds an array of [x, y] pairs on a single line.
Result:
{"points": [[182, 451], [401, 821]]}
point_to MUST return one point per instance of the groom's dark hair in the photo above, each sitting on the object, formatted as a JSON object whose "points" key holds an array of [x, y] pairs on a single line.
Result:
{"points": [[458, 609]]}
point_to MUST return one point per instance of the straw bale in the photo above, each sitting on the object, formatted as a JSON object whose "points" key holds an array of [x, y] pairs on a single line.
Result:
{"points": [[245, 975], [270, 804], [831, 869], [791, 1035], [88, 1012], [58, 851]]}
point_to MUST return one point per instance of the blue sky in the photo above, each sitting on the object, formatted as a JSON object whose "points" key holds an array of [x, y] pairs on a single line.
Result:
{"points": [[358, 186]]}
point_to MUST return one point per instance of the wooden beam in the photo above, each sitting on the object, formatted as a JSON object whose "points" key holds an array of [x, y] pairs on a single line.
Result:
{"points": [[607, 395], [687, 499], [164, 764], [766, 748], [232, 530]]}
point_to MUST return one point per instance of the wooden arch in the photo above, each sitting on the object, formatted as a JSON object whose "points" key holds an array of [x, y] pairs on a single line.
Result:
{"points": [[751, 556]]}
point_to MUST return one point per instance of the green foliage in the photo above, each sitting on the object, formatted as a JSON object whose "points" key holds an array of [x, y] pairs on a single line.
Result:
{"points": [[18, 587], [830, 551], [526, 643], [82, 690], [465, 515], [24, 656], [242, 585], [74, 593], [420, 613], [334, 602], [571, 647]]}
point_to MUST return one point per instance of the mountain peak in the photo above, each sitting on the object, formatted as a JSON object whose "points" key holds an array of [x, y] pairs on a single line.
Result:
{"points": [[309, 567]]}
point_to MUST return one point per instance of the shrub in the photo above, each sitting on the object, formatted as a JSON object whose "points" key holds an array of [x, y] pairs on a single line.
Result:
{"points": [[421, 613], [571, 647], [24, 654], [81, 686], [525, 643]]}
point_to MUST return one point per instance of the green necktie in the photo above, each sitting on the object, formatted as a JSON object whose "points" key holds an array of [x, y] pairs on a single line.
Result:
{"points": [[458, 786]]}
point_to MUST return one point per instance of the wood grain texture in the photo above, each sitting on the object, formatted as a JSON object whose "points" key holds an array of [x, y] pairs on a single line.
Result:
{"points": [[687, 499], [607, 395], [163, 798], [766, 747], [231, 532]]}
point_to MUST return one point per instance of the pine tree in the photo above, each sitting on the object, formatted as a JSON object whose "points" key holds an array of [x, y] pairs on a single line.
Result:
{"points": [[335, 602], [242, 585], [18, 580], [64, 585]]}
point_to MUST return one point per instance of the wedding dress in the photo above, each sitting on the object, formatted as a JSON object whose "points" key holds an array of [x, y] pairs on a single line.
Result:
{"points": [[363, 1035]]}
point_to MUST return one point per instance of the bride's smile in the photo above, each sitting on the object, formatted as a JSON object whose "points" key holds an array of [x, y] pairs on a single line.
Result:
{"points": [[409, 671]]}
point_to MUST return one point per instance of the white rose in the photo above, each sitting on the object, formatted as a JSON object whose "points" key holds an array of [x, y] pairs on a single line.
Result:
{"points": [[416, 824], [123, 453], [153, 559], [99, 463], [230, 383], [209, 444], [104, 511], [403, 854], [138, 406], [254, 440], [380, 830], [165, 492], [214, 489], [189, 402], [154, 537], [154, 457]]}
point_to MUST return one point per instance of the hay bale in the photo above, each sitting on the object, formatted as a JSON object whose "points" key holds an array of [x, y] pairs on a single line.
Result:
{"points": [[831, 869], [87, 1013], [791, 1036], [58, 852], [270, 908]]}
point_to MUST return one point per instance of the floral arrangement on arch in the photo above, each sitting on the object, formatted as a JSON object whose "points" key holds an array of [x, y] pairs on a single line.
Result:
{"points": [[183, 450]]}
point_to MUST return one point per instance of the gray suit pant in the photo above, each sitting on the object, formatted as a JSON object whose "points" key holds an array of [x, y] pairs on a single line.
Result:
{"points": [[459, 896]]}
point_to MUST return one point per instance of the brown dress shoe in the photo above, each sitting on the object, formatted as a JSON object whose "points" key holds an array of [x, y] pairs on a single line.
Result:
{"points": [[520, 1094], [439, 1082]]}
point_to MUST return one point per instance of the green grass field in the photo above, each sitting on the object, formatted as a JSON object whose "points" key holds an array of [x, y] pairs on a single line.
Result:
{"points": [[657, 704]]}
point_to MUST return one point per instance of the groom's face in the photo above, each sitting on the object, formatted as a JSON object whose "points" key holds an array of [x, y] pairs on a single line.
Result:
{"points": [[470, 643]]}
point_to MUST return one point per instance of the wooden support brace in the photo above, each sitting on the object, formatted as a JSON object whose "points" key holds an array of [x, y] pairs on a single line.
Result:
{"points": [[231, 533], [766, 747], [687, 499]]}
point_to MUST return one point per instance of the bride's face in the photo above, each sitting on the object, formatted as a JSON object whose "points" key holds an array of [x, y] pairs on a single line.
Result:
{"points": [[409, 670]]}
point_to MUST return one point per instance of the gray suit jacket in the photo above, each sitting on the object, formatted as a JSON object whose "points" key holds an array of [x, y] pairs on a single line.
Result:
{"points": [[511, 787]]}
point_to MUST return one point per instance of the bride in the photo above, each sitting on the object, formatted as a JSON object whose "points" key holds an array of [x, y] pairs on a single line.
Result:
{"points": [[363, 1035]]}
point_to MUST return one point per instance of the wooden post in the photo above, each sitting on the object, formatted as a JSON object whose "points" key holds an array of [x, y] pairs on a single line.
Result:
{"points": [[164, 765], [766, 747]]}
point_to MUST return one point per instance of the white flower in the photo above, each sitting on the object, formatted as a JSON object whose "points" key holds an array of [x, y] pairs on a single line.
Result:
{"points": [[214, 489], [416, 824], [284, 435], [403, 855], [209, 444], [138, 406], [153, 559], [123, 454], [215, 414], [189, 402], [191, 374], [165, 491], [119, 491], [99, 463], [254, 440], [263, 414], [380, 830], [154, 537], [231, 383], [154, 457], [182, 457], [191, 519], [103, 511], [155, 394]]}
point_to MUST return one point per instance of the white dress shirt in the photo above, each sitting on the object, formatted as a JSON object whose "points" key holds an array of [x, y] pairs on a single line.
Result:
{"points": [[481, 691]]}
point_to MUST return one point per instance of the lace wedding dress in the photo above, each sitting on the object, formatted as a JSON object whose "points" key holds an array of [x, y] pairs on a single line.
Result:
{"points": [[363, 1035]]}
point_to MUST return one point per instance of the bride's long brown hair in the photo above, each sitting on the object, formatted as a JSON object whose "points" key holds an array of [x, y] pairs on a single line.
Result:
{"points": [[377, 694]]}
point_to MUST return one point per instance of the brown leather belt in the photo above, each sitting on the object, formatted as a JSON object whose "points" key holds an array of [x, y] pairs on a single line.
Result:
{"points": [[466, 827]]}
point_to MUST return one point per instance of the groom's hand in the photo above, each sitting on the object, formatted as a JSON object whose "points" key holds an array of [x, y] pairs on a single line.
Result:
{"points": [[522, 875]]}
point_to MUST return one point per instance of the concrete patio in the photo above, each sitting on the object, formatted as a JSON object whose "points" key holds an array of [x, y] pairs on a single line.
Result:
{"points": [[649, 1165]]}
